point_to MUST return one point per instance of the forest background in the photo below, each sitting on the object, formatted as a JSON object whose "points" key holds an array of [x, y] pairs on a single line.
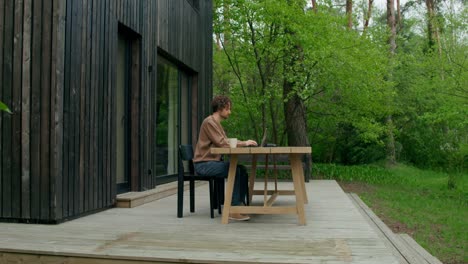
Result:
{"points": [[379, 89], [357, 83]]}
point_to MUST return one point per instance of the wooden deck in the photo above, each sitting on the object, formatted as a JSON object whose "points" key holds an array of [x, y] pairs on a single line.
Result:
{"points": [[336, 232]]}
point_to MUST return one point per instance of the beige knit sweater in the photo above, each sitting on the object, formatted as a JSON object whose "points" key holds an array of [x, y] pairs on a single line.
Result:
{"points": [[211, 135]]}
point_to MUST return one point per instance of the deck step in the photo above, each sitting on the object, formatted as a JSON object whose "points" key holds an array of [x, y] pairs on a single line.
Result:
{"points": [[410, 242], [133, 199], [403, 247]]}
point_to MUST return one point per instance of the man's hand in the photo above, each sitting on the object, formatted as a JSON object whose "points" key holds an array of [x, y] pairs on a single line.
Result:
{"points": [[250, 142]]}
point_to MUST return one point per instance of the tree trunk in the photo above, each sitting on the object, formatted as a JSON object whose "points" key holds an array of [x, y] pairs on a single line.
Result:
{"points": [[398, 20], [296, 122], [368, 16], [391, 155], [314, 5], [226, 21], [218, 42], [294, 109], [391, 152], [295, 117], [391, 25], [432, 26], [349, 13]]}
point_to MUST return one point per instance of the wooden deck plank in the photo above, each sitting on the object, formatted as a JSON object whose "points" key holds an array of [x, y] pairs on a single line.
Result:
{"points": [[336, 232], [387, 242], [401, 248]]}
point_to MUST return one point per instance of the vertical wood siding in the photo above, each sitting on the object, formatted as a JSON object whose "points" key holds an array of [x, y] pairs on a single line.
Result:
{"points": [[57, 74], [30, 83]]}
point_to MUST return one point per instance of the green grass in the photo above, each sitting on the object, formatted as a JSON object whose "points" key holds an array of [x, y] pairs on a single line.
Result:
{"points": [[419, 199]]}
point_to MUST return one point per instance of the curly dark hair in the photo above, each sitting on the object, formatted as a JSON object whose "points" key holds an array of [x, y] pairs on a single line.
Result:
{"points": [[220, 102]]}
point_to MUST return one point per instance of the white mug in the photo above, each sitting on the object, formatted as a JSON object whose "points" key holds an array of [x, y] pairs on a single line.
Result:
{"points": [[232, 142]]}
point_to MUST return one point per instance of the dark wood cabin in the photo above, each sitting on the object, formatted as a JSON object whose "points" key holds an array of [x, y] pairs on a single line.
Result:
{"points": [[102, 93]]}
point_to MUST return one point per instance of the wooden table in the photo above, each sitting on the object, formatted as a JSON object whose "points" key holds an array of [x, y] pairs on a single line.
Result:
{"points": [[294, 153]]}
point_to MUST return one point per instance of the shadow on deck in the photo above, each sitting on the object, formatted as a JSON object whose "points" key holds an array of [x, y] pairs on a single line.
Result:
{"points": [[337, 231]]}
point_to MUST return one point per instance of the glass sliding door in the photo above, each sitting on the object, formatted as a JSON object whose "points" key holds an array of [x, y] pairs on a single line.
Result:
{"points": [[167, 118], [173, 117]]}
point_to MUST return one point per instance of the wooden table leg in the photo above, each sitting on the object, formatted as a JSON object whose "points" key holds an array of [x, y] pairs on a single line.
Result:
{"points": [[306, 200], [229, 189], [296, 170]]}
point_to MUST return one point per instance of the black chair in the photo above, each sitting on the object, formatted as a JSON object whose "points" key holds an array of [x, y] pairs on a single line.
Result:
{"points": [[216, 185]]}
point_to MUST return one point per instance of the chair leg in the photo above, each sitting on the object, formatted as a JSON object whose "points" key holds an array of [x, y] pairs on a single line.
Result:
{"points": [[215, 194], [220, 194], [192, 196], [180, 198], [211, 183]]}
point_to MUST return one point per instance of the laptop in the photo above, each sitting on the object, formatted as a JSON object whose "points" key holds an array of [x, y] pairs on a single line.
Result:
{"points": [[264, 141], [263, 144]]}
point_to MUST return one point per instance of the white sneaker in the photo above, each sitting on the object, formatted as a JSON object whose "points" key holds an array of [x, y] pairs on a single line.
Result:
{"points": [[239, 217]]}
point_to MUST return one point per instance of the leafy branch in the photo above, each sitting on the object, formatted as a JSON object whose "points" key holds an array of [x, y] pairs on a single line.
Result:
{"points": [[4, 107]]}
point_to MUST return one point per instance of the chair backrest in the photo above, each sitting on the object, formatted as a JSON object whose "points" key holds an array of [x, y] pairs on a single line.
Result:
{"points": [[186, 154]]}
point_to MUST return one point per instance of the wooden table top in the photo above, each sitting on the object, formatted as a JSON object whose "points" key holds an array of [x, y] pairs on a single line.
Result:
{"points": [[262, 150]]}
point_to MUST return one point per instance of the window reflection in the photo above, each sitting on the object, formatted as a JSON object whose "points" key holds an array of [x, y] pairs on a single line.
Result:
{"points": [[167, 110]]}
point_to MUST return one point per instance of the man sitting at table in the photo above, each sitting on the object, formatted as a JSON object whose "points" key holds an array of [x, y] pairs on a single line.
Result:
{"points": [[212, 135]]}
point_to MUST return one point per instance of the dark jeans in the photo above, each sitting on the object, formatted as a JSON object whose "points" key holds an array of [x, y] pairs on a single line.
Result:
{"points": [[221, 169]]}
